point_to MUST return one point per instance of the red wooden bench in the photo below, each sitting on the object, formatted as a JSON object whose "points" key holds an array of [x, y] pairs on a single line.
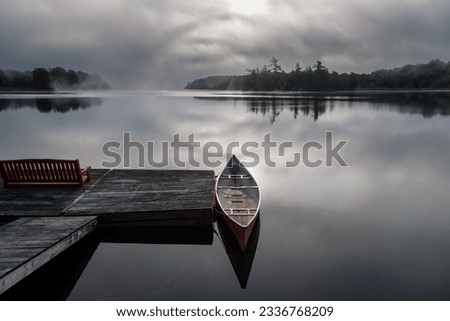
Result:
{"points": [[43, 173]]}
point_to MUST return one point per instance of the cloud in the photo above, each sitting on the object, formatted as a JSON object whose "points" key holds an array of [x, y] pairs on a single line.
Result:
{"points": [[163, 44]]}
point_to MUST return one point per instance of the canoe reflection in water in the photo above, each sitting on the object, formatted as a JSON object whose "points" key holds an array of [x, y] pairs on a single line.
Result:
{"points": [[241, 260]]}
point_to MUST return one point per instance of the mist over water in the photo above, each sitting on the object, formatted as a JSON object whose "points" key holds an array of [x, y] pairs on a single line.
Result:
{"points": [[375, 230]]}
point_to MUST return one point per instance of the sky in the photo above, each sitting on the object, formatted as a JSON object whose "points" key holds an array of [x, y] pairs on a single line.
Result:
{"points": [[162, 44]]}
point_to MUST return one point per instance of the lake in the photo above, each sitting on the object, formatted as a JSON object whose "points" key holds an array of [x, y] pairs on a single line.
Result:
{"points": [[375, 229]]}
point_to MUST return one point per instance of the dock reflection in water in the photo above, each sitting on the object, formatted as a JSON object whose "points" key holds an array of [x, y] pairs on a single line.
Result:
{"points": [[56, 279], [193, 232]]}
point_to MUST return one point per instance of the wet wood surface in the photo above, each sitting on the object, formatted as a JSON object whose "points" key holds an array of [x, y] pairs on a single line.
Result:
{"points": [[148, 195], [38, 201], [28, 243], [119, 195]]}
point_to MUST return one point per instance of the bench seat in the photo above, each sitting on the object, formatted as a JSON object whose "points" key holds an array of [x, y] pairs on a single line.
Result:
{"points": [[43, 173]]}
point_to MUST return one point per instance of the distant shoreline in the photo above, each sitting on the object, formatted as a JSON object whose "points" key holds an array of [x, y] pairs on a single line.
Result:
{"points": [[42, 80], [329, 92], [434, 75]]}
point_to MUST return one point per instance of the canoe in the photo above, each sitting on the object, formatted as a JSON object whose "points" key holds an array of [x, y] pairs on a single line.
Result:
{"points": [[238, 200], [241, 261]]}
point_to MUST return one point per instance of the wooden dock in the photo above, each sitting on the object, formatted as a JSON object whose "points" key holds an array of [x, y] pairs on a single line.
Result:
{"points": [[119, 196], [23, 201], [175, 206], [147, 195], [28, 243]]}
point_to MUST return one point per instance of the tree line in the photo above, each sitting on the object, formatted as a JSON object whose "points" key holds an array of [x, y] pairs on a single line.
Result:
{"points": [[432, 75], [50, 79]]}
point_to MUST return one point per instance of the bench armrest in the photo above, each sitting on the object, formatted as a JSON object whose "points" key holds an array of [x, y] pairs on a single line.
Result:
{"points": [[87, 172]]}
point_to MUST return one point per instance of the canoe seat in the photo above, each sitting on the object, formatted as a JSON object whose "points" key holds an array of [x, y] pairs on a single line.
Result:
{"points": [[237, 176], [236, 187], [241, 211]]}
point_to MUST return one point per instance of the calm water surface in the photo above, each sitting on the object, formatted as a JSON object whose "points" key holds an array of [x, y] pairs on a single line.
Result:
{"points": [[377, 229]]}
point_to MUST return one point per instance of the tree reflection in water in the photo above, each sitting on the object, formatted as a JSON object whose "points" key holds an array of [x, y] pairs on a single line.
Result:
{"points": [[48, 105]]}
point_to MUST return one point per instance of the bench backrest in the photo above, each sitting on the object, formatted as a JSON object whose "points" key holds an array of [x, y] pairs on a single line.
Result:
{"points": [[41, 171]]}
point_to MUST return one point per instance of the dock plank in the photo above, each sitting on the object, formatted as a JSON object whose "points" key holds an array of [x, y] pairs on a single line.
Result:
{"points": [[32, 202], [160, 194], [28, 243]]}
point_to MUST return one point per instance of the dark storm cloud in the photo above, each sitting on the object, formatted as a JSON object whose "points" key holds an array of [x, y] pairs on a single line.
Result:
{"points": [[163, 44]]}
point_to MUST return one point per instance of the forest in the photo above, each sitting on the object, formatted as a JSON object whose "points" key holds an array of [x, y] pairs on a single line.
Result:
{"points": [[50, 79], [432, 75]]}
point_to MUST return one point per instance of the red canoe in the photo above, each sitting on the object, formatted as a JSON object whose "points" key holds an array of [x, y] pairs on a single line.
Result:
{"points": [[238, 200]]}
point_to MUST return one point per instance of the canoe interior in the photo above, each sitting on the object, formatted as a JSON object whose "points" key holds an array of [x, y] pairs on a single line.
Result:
{"points": [[238, 193]]}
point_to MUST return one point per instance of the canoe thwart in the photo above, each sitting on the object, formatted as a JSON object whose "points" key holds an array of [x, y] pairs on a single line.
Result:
{"points": [[236, 187]]}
